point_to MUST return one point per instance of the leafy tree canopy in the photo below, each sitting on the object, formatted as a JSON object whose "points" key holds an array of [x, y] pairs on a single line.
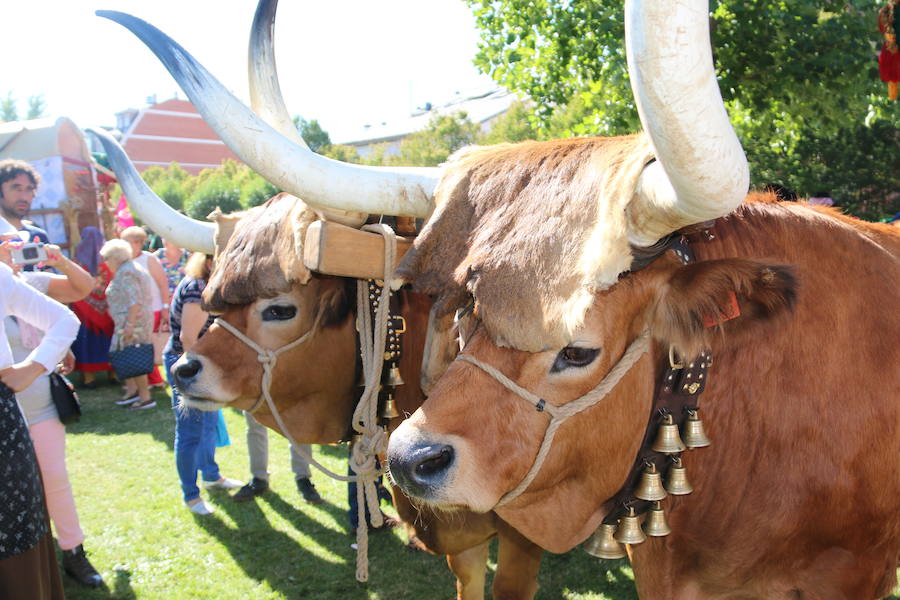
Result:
{"points": [[794, 75], [315, 137]]}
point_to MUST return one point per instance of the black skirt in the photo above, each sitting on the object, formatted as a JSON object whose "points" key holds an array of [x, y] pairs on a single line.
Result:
{"points": [[22, 520]]}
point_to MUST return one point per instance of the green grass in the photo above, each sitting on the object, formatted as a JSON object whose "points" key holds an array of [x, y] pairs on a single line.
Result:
{"points": [[147, 545]]}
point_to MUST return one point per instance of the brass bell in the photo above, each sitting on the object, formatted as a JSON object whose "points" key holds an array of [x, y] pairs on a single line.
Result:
{"points": [[667, 439], [655, 525], [694, 436], [677, 482], [603, 545], [650, 487], [629, 531], [389, 409], [393, 377]]}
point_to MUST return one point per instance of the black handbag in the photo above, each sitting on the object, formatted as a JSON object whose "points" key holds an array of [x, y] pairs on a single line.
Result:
{"points": [[65, 398], [132, 361]]}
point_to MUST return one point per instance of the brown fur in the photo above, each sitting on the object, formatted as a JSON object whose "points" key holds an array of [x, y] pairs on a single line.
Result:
{"points": [[260, 260], [799, 495], [315, 383], [530, 230]]}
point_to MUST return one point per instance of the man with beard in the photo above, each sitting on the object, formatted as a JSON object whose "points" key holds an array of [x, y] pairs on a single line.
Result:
{"points": [[18, 186]]}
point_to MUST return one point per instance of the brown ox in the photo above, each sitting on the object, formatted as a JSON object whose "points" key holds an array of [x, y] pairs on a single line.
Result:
{"points": [[799, 495], [260, 286]]}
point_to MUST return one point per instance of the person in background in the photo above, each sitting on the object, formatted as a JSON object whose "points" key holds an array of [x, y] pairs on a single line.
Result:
{"points": [[28, 569], [47, 433], [195, 430], [129, 296], [91, 347], [19, 183], [258, 449], [159, 292], [173, 259]]}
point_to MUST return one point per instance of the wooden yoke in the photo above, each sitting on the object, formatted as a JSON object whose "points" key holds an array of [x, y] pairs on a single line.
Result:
{"points": [[334, 249]]}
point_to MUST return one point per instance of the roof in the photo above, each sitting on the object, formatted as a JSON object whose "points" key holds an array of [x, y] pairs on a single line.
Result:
{"points": [[479, 108], [42, 138], [172, 131]]}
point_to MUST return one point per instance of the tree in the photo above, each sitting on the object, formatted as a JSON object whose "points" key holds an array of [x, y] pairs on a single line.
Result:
{"points": [[217, 191], [36, 106], [517, 124], [790, 73], [433, 145], [315, 137], [8, 110]]}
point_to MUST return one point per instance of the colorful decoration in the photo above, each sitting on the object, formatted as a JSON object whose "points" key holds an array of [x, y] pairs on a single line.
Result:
{"points": [[123, 215], [889, 59]]}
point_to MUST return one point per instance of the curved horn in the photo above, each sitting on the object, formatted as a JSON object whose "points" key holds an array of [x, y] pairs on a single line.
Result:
{"points": [[701, 172], [159, 216], [265, 92], [320, 181]]}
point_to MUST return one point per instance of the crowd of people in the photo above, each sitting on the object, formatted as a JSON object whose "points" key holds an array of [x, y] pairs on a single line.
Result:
{"points": [[121, 293]]}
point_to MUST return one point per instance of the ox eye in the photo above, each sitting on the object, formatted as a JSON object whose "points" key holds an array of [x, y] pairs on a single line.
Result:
{"points": [[278, 312], [574, 356]]}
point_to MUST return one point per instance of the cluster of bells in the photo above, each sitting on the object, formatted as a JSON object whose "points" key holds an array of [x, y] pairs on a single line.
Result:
{"points": [[608, 539], [392, 353]]}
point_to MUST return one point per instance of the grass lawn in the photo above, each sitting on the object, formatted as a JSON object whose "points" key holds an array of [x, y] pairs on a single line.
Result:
{"points": [[147, 545]]}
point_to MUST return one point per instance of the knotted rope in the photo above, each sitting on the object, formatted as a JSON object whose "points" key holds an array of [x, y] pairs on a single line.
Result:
{"points": [[372, 439], [559, 414]]}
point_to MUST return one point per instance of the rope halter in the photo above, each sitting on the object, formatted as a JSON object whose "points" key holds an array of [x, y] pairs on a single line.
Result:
{"points": [[559, 414]]}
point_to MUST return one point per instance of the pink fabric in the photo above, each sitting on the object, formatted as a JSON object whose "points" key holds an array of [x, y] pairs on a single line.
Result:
{"points": [[49, 438]]}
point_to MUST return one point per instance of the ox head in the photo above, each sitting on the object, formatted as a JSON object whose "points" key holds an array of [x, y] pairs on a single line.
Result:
{"points": [[474, 439], [261, 288], [531, 240]]}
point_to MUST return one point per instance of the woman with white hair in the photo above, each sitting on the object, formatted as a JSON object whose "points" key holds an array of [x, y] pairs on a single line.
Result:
{"points": [[128, 297]]}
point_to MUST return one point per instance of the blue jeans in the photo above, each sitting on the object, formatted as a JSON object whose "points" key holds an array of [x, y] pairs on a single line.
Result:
{"points": [[195, 440]]}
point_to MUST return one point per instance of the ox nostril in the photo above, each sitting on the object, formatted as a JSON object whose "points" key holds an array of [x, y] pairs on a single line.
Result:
{"points": [[435, 462], [187, 371]]}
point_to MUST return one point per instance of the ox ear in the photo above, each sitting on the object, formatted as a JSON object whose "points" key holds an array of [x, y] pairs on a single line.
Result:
{"points": [[225, 224], [733, 297]]}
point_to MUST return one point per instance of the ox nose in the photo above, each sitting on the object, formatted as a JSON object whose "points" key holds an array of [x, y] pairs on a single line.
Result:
{"points": [[186, 371], [421, 469]]}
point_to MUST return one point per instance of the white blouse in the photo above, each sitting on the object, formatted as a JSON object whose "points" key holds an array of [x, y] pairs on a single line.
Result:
{"points": [[20, 300]]}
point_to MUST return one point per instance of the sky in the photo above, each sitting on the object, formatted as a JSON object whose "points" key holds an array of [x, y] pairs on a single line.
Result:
{"points": [[345, 63]]}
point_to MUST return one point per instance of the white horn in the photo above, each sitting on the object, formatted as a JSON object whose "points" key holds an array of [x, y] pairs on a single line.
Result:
{"points": [[265, 91], [160, 217], [701, 172], [318, 180]]}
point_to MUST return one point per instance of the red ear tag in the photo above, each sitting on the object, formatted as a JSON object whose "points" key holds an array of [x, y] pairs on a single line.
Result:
{"points": [[731, 310]]}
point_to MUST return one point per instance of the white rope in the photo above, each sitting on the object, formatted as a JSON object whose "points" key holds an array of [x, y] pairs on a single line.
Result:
{"points": [[559, 414], [371, 440]]}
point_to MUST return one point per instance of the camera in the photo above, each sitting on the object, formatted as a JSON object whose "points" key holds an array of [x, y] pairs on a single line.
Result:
{"points": [[29, 254]]}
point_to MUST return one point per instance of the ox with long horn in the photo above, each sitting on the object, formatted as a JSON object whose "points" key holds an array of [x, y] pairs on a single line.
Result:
{"points": [[319, 181]]}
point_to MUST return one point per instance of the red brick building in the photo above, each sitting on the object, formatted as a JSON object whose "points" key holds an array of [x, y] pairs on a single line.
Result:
{"points": [[171, 131]]}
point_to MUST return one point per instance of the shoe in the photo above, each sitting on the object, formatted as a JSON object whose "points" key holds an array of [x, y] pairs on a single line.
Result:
{"points": [[78, 567], [128, 400], [251, 490], [222, 484], [151, 403], [308, 490], [201, 508]]}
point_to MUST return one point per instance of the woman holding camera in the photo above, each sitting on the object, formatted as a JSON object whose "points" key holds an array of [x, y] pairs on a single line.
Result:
{"points": [[27, 560], [128, 296]]}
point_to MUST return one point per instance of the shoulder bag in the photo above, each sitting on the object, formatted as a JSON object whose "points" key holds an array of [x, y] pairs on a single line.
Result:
{"points": [[65, 399]]}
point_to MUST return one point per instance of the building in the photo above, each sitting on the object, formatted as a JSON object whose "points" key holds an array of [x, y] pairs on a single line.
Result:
{"points": [[482, 109], [170, 131]]}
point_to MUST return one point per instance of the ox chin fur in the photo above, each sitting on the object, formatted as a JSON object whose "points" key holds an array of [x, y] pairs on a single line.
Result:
{"points": [[462, 486], [201, 403]]}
